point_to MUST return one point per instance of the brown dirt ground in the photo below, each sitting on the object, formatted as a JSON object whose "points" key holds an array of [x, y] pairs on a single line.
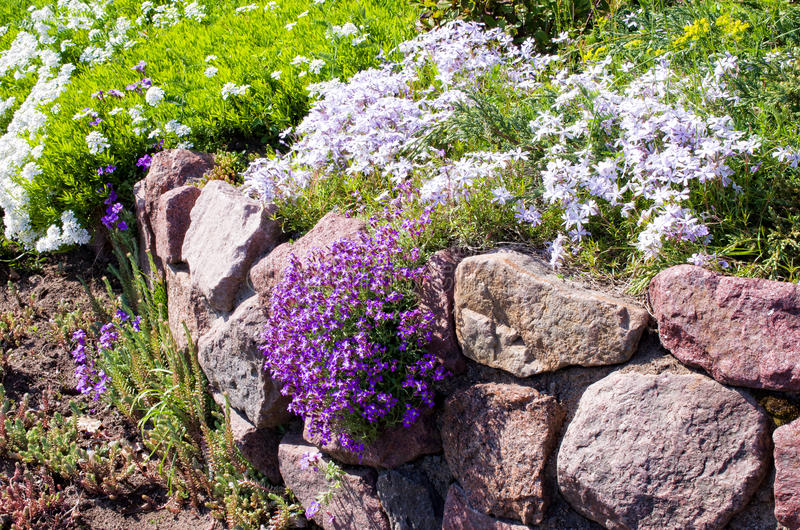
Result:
{"points": [[38, 361]]}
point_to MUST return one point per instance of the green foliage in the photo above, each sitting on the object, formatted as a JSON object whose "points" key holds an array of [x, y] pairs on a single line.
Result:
{"points": [[162, 389], [33, 501], [539, 19], [251, 47], [41, 437]]}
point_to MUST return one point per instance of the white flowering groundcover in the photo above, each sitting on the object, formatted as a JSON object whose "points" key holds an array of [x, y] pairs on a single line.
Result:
{"points": [[604, 141]]}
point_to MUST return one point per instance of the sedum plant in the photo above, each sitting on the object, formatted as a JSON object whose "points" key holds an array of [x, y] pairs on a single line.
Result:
{"points": [[347, 340]]}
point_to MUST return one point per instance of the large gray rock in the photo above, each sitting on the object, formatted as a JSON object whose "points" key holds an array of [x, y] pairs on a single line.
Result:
{"points": [[354, 505], [497, 439], [267, 271], [407, 500], [459, 515], [512, 313], [392, 448], [228, 232], [663, 451], [229, 356], [170, 221], [787, 475], [742, 331], [186, 305]]}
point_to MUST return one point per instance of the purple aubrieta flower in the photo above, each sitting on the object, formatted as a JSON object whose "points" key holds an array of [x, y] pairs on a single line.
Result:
{"points": [[313, 509], [144, 162], [347, 340], [111, 219]]}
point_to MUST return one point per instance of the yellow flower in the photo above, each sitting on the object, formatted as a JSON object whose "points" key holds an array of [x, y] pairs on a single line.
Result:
{"points": [[732, 27], [692, 32]]}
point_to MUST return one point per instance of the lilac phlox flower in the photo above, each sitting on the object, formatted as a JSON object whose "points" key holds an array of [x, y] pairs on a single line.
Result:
{"points": [[116, 93], [98, 95], [136, 324], [139, 67], [122, 315]]}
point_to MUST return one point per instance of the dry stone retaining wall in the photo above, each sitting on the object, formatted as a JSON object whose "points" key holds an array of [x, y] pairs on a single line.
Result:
{"points": [[566, 410]]}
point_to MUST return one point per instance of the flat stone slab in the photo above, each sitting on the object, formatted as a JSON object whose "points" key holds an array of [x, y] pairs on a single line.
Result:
{"points": [[663, 451], [268, 270], [787, 474], [513, 313], [229, 356], [497, 439], [355, 505], [228, 231], [742, 331]]}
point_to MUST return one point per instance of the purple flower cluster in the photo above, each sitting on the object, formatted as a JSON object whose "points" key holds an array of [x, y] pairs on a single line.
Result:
{"points": [[90, 379], [111, 219], [144, 162], [346, 338], [138, 86], [106, 170]]}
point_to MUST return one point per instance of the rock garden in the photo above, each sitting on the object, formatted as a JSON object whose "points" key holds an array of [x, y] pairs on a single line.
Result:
{"points": [[399, 265]]}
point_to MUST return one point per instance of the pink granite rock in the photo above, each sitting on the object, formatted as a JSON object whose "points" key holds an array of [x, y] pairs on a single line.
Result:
{"points": [[459, 515], [355, 505], [229, 356], [147, 240], [396, 446], [170, 169], [497, 439], [742, 331], [512, 312], [170, 221], [787, 474], [228, 231], [266, 272], [186, 305], [436, 296], [663, 451]]}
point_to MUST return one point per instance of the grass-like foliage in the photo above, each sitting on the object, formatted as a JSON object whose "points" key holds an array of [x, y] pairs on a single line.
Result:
{"points": [[162, 389], [129, 78]]}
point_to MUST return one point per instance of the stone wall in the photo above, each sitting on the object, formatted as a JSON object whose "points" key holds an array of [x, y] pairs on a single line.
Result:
{"points": [[567, 409]]}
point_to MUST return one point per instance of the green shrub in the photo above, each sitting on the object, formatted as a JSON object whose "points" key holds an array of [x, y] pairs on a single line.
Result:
{"points": [[271, 53]]}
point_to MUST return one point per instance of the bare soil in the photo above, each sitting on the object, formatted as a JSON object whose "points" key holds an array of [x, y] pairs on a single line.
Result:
{"points": [[38, 365]]}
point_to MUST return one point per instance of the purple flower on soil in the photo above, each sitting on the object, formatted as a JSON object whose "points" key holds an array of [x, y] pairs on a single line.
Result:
{"points": [[139, 67], [347, 340], [90, 380]]}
